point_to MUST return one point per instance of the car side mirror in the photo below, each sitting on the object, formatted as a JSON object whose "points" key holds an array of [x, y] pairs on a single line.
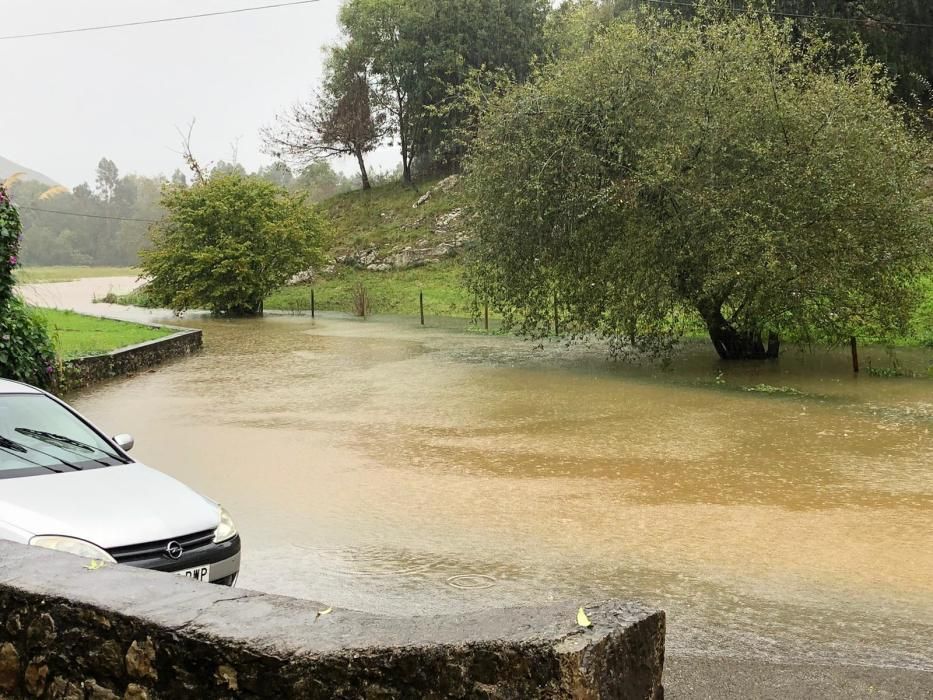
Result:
{"points": [[124, 441]]}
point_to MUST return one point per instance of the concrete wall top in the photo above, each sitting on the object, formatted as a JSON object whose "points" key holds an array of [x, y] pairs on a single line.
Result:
{"points": [[174, 637]]}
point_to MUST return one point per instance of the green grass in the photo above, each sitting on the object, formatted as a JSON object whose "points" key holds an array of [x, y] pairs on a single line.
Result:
{"points": [[393, 292], [76, 334], [384, 218], [62, 273]]}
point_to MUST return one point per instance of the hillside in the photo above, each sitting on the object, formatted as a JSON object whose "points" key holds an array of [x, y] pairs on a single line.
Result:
{"points": [[394, 242], [8, 167], [396, 227]]}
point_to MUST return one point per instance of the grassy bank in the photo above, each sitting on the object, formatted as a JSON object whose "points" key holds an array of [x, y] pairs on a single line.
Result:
{"points": [[384, 218], [394, 292], [61, 273], [76, 334]]}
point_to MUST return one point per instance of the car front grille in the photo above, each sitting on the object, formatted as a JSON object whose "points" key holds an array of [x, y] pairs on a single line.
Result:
{"points": [[150, 550]]}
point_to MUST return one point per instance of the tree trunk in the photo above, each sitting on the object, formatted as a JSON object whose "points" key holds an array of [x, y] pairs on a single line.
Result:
{"points": [[364, 176], [732, 343], [406, 170]]}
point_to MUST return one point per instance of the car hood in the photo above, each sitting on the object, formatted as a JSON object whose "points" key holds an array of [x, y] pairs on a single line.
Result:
{"points": [[111, 507]]}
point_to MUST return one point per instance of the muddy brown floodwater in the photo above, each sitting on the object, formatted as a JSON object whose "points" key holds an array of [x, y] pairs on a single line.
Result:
{"points": [[382, 466]]}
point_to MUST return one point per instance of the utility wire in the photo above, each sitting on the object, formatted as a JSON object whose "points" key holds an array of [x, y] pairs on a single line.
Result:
{"points": [[157, 21], [797, 15], [89, 216]]}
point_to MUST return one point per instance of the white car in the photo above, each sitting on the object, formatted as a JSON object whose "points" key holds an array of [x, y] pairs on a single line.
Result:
{"points": [[64, 485]]}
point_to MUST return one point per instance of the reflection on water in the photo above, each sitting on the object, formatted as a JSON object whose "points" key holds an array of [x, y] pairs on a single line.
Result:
{"points": [[388, 467]]}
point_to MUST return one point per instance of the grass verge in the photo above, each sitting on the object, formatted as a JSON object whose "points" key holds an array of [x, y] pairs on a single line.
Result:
{"points": [[62, 273], [75, 335], [394, 292]]}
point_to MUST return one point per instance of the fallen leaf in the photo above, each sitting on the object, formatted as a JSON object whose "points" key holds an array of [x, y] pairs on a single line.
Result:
{"points": [[95, 564], [582, 619], [325, 611]]}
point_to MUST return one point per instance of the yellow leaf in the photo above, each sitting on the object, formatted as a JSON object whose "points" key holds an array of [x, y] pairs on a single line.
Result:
{"points": [[11, 179], [52, 191], [94, 564], [582, 619], [326, 611]]}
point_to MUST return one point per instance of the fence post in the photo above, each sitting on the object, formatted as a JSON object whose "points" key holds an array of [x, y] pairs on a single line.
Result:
{"points": [[486, 315], [312, 302], [854, 346], [556, 321], [421, 304]]}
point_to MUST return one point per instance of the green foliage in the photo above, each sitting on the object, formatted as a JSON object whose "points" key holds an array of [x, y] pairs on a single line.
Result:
{"points": [[417, 50], [9, 246], [76, 335], [394, 292], [895, 32], [68, 273], [723, 170], [383, 217], [227, 242], [107, 225], [26, 352]]}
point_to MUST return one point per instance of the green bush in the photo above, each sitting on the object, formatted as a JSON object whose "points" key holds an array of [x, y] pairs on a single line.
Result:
{"points": [[26, 351], [227, 242]]}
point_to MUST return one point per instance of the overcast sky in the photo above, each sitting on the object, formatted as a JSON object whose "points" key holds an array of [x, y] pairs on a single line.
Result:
{"points": [[70, 99]]}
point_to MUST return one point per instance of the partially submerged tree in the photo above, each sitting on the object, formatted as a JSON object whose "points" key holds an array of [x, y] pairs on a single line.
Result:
{"points": [[726, 172], [340, 121], [227, 242]]}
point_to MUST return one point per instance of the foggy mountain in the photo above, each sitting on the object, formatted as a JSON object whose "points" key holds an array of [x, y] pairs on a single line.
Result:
{"points": [[8, 167]]}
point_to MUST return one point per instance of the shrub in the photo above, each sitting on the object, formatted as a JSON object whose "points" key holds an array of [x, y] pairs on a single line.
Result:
{"points": [[26, 351]]}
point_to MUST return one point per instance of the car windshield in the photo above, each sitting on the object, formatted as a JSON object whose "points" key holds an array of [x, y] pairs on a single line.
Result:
{"points": [[40, 436]]}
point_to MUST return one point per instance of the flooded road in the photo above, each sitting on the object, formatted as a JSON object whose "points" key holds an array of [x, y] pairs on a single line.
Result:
{"points": [[774, 510]]}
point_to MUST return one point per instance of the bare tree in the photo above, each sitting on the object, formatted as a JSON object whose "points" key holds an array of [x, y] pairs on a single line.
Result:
{"points": [[339, 120], [199, 172]]}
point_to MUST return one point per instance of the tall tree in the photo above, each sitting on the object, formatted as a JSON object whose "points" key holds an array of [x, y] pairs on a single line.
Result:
{"points": [[728, 173], [418, 50], [341, 120], [107, 178]]}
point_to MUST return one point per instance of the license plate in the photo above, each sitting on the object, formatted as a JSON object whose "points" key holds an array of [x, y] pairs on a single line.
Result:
{"points": [[198, 573]]}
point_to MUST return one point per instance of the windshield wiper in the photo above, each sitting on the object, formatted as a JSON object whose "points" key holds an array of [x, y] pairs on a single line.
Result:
{"points": [[10, 445], [65, 440]]}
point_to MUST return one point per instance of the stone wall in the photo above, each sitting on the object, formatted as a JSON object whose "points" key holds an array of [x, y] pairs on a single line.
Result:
{"points": [[83, 371], [70, 631]]}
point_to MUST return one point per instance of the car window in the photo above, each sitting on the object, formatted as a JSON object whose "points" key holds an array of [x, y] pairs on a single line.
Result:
{"points": [[38, 433]]}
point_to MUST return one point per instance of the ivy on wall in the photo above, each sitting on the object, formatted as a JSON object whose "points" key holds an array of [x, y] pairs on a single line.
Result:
{"points": [[26, 351]]}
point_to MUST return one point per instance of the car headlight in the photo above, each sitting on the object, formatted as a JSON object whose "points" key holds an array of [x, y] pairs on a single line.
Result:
{"points": [[226, 530], [72, 546]]}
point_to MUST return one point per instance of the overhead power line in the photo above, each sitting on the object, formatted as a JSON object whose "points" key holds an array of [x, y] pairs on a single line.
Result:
{"points": [[160, 20], [798, 15], [88, 216]]}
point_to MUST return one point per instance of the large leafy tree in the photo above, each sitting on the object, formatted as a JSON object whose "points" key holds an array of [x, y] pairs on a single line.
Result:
{"points": [[418, 50], [895, 32], [227, 242], [726, 173]]}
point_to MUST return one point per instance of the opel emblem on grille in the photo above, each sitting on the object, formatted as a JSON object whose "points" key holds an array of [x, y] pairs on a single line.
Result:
{"points": [[174, 550]]}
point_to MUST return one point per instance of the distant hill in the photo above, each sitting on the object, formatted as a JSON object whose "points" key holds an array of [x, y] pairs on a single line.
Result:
{"points": [[8, 167]]}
